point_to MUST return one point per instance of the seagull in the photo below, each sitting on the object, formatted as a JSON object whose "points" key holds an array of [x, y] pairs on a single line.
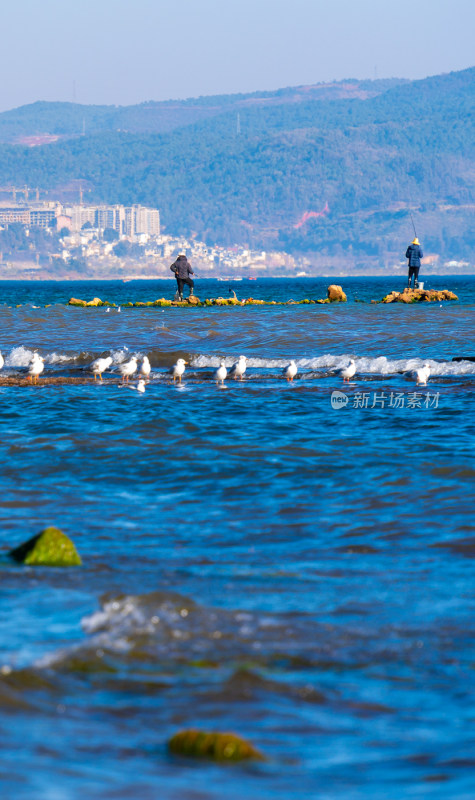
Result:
{"points": [[145, 368], [107, 310], [422, 374], [2, 361], [128, 369], [100, 365], [220, 374], [290, 371], [139, 388], [178, 370], [36, 367], [349, 371], [238, 369]]}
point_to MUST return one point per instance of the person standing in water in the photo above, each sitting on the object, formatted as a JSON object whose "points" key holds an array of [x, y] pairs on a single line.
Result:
{"points": [[182, 269], [414, 254]]}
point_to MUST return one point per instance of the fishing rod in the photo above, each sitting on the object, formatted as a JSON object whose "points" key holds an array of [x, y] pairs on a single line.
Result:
{"points": [[412, 220]]}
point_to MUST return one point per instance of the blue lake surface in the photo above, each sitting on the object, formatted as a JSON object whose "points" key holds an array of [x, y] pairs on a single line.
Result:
{"points": [[254, 559]]}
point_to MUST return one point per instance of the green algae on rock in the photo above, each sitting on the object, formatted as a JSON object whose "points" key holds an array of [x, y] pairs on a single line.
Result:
{"points": [[335, 294], [50, 548], [215, 746], [419, 296]]}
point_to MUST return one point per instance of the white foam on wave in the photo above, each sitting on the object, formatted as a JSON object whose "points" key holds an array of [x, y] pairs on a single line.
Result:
{"points": [[19, 357], [122, 354], [381, 365], [58, 358]]}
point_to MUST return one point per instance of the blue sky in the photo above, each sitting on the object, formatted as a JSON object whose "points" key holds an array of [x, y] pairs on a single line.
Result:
{"points": [[129, 51]]}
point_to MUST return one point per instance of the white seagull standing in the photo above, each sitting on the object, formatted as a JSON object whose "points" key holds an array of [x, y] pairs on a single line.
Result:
{"points": [[178, 369], [290, 371], [238, 369], [348, 371], [2, 361], [145, 368], [100, 365], [36, 367], [141, 386], [220, 374], [423, 374], [128, 368]]}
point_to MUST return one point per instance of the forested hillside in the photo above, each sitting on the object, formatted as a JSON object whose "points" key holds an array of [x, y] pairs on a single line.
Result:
{"points": [[358, 161], [73, 119]]}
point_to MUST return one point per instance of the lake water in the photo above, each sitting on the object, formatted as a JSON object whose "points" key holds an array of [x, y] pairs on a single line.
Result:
{"points": [[255, 560]]}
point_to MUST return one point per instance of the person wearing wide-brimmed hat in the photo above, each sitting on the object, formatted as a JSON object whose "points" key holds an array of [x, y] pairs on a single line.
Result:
{"points": [[414, 254]]}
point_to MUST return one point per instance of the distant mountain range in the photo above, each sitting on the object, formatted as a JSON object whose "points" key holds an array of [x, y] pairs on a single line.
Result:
{"points": [[330, 170], [65, 120]]}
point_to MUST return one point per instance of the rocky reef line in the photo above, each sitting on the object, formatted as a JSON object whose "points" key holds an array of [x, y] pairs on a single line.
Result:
{"points": [[335, 294]]}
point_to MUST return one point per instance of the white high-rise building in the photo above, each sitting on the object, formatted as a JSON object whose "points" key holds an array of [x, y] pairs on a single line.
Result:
{"points": [[139, 219]]}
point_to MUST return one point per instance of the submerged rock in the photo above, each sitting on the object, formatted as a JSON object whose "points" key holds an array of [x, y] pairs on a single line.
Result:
{"points": [[50, 548], [216, 746]]}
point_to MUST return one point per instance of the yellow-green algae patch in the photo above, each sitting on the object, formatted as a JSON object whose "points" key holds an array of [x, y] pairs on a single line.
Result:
{"points": [[50, 548], [215, 746]]}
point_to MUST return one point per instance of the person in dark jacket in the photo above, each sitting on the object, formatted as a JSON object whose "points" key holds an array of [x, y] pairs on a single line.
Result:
{"points": [[414, 254], [182, 269]]}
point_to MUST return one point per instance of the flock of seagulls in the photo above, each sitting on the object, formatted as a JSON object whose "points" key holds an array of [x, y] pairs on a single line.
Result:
{"points": [[128, 369]]}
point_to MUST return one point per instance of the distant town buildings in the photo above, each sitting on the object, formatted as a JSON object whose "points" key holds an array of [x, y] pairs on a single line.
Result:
{"points": [[137, 246], [125, 220]]}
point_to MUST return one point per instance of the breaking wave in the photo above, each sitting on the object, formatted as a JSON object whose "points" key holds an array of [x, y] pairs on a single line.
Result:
{"points": [[20, 357], [364, 365]]}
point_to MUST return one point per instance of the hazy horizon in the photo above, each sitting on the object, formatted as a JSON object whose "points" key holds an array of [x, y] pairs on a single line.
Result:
{"points": [[112, 54]]}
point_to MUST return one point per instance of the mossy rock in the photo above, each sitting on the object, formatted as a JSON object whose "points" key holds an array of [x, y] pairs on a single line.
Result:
{"points": [[162, 301], [74, 301], [335, 294], [50, 548], [128, 305], [215, 746], [96, 302]]}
